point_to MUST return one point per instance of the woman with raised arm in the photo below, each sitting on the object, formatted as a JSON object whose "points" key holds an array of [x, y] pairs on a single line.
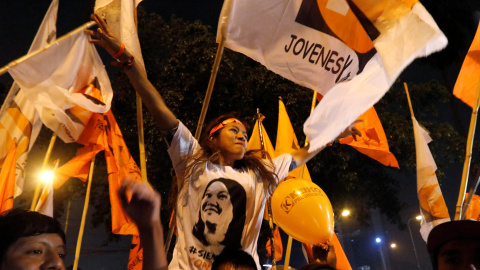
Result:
{"points": [[222, 188]]}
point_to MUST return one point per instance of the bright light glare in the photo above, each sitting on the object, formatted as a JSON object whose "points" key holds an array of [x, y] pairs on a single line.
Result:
{"points": [[46, 176], [346, 213], [418, 217], [378, 240], [393, 245]]}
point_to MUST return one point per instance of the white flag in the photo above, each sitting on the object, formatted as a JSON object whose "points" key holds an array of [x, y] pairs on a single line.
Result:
{"points": [[19, 119], [52, 79], [432, 205], [120, 17], [349, 51]]}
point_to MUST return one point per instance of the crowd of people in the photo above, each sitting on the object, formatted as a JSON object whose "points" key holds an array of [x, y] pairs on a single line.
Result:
{"points": [[222, 190]]}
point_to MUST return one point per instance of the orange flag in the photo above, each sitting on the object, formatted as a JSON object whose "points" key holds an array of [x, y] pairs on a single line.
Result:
{"points": [[7, 180], [103, 133], [373, 142], [135, 259], [278, 245], [287, 141], [473, 211], [342, 261], [468, 78]]}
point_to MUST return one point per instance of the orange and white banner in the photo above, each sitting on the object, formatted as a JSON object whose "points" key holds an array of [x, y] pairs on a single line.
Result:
{"points": [[52, 79], [432, 205], [348, 51], [19, 119]]}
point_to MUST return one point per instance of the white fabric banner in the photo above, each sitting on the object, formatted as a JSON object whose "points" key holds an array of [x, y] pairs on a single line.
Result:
{"points": [[52, 78], [22, 120], [432, 205], [120, 17], [349, 54]]}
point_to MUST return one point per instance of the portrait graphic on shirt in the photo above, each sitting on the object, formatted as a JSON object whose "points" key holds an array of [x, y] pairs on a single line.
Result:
{"points": [[221, 218]]}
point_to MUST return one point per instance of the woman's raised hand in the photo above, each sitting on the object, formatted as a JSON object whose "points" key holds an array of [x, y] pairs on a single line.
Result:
{"points": [[103, 37]]}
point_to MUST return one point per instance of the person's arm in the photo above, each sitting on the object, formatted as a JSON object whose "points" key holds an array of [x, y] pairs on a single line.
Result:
{"points": [[144, 210], [164, 118], [301, 156]]}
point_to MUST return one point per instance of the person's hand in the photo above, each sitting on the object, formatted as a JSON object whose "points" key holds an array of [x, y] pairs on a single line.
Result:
{"points": [[325, 253], [351, 131], [103, 37], [144, 206]]}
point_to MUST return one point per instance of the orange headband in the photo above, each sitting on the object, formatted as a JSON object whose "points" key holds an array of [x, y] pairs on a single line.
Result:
{"points": [[224, 123]]}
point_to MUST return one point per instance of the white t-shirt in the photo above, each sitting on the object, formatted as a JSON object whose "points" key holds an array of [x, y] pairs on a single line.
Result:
{"points": [[219, 207]]}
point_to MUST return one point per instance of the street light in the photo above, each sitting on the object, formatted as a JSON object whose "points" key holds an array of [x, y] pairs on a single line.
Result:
{"points": [[393, 245], [378, 240], [345, 213], [411, 238]]}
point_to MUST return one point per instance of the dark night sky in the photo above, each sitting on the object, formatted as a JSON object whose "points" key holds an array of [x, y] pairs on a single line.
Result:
{"points": [[19, 22]]}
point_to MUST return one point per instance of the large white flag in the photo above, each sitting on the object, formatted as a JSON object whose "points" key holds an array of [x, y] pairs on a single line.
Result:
{"points": [[120, 16], [19, 119], [51, 81], [432, 205], [349, 51]]}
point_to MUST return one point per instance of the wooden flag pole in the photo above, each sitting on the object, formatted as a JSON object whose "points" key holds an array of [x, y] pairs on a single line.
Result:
{"points": [[468, 158], [211, 83], [68, 215], [287, 254], [141, 140], [45, 162], [84, 215], [408, 98], [4, 69], [269, 202]]}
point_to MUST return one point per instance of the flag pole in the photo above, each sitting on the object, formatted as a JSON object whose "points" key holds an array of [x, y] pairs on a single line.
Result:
{"points": [[84, 215], [471, 192], [459, 211], [45, 161], [408, 98], [269, 202], [68, 215], [4, 69], [211, 83]]}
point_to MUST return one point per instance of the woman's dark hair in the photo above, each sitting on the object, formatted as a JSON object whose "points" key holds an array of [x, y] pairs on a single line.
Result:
{"points": [[17, 223], [236, 258], [233, 236], [317, 266]]}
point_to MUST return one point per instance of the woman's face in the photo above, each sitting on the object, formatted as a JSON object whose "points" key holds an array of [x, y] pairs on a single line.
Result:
{"points": [[39, 252], [232, 142]]}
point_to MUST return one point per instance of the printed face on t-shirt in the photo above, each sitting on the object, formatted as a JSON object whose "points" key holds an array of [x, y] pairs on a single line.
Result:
{"points": [[216, 212]]}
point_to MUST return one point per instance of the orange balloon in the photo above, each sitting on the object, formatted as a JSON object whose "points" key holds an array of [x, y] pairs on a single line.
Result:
{"points": [[303, 211]]}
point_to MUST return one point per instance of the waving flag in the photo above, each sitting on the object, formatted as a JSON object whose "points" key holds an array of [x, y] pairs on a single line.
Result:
{"points": [[52, 79], [473, 211], [432, 205], [348, 51], [373, 141], [19, 119], [468, 78], [102, 133], [7, 180]]}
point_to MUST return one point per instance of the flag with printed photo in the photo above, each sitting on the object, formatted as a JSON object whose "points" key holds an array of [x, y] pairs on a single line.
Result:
{"points": [[468, 79], [349, 51], [432, 205], [51, 81], [7, 180], [19, 119]]}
